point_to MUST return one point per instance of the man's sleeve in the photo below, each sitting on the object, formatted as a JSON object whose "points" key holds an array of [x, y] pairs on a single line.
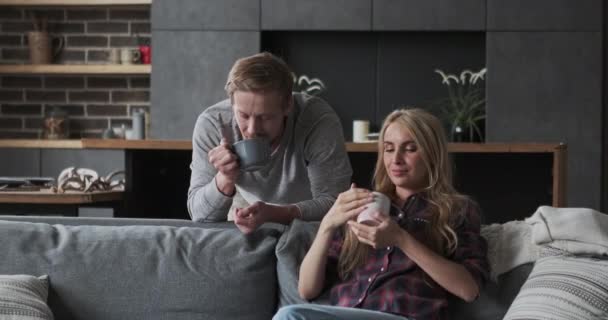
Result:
{"points": [[205, 202], [329, 169]]}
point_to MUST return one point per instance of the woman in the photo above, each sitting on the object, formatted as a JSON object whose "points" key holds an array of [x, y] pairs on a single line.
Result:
{"points": [[409, 263]]}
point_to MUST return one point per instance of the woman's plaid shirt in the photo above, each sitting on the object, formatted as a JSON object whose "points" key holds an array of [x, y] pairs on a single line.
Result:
{"points": [[391, 282]]}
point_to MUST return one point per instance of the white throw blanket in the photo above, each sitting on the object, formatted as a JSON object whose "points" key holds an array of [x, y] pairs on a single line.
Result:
{"points": [[577, 231], [509, 245]]}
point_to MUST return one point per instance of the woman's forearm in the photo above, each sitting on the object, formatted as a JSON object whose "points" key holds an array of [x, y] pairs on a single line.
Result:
{"points": [[312, 270], [452, 276]]}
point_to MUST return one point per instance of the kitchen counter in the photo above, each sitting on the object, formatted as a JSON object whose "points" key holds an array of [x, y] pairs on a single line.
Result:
{"points": [[153, 144]]}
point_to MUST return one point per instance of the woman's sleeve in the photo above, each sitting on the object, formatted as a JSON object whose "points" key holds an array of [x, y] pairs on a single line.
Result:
{"points": [[471, 250]]}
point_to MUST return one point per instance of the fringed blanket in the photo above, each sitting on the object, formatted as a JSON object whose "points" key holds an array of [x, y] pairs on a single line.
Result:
{"points": [[576, 231]]}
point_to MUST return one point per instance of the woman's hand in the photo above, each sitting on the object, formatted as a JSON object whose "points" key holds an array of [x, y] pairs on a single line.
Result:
{"points": [[387, 233], [347, 206]]}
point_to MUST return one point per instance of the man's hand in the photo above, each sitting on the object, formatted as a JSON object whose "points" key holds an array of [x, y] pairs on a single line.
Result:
{"points": [[250, 218], [226, 163]]}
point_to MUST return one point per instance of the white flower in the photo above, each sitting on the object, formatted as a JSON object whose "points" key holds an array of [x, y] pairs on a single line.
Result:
{"points": [[478, 75], [446, 78], [309, 85], [463, 76]]}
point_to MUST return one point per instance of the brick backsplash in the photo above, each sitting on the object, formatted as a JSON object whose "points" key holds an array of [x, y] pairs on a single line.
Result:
{"points": [[92, 102]]}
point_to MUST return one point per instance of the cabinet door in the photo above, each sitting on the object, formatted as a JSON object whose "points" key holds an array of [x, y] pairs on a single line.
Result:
{"points": [[53, 161], [316, 15], [19, 162], [545, 15], [189, 73], [545, 87], [418, 15], [205, 15]]}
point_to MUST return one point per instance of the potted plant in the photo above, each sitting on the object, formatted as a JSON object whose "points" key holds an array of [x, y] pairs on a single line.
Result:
{"points": [[464, 107]]}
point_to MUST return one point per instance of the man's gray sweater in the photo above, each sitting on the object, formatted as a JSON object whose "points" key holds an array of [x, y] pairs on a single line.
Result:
{"points": [[309, 168]]}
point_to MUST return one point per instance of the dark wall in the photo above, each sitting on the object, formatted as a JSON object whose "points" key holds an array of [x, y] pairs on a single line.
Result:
{"points": [[544, 58], [604, 190], [544, 84], [370, 74]]}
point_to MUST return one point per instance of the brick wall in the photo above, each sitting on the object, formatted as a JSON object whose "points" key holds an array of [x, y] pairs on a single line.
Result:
{"points": [[93, 102]]}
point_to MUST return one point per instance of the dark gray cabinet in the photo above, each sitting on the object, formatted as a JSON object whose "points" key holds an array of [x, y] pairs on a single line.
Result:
{"points": [[19, 162], [430, 15], [205, 14], [189, 74], [53, 161], [403, 83], [544, 60], [316, 15], [50, 162], [545, 15], [545, 87]]}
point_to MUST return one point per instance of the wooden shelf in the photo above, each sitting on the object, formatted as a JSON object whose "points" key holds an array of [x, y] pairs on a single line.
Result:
{"points": [[187, 145], [137, 144], [471, 147], [41, 144], [74, 2], [46, 196], [76, 69]]}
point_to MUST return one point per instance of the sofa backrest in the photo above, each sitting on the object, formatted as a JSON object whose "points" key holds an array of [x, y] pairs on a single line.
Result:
{"points": [[141, 271]]}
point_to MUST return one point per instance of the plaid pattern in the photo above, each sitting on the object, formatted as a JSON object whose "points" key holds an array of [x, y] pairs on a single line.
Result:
{"points": [[391, 282]]}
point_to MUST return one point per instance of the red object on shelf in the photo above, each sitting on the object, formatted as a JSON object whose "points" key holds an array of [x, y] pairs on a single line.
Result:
{"points": [[146, 54]]}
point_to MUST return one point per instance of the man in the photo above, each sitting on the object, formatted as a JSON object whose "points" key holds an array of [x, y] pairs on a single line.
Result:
{"points": [[308, 166]]}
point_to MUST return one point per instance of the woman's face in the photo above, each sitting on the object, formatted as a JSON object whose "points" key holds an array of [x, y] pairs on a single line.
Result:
{"points": [[403, 161]]}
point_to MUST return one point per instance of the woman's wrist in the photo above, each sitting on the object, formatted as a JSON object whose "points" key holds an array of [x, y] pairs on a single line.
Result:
{"points": [[404, 241], [326, 226]]}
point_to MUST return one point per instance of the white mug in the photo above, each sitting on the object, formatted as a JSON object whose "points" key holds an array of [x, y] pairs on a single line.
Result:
{"points": [[360, 130], [129, 56], [114, 56], [381, 204]]}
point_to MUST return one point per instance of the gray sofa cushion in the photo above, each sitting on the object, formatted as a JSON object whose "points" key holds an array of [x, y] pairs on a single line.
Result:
{"points": [[77, 221], [290, 251], [146, 272]]}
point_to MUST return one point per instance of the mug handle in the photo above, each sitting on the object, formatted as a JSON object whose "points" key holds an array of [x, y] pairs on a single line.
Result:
{"points": [[58, 47], [136, 55]]}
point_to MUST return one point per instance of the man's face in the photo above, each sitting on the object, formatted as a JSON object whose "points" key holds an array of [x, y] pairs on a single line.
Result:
{"points": [[261, 114]]}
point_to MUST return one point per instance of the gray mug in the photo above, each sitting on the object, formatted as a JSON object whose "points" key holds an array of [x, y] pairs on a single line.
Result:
{"points": [[253, 154]]}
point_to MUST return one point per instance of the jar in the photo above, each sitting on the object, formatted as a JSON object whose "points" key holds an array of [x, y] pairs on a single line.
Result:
{"points": [[55, 124]]}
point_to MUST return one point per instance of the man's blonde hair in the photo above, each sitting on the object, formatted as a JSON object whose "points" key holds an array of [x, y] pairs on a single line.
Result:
{"points": [[258, 73]]}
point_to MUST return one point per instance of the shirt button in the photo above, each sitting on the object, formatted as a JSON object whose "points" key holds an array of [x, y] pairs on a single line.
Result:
{"points": [[388, 248], [360, 299], [382, 269], [369, 279]]}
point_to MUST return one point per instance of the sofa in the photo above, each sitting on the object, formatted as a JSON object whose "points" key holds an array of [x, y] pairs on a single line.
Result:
{"points": [[117, 268]]}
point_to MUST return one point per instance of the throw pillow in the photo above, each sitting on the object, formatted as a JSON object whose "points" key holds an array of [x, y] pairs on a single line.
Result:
{"points": [[563, 287], [290, 252], [24, 297]]}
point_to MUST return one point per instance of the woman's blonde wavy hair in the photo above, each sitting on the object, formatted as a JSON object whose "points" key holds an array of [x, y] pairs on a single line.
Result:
{"points": [[443, 200]]}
